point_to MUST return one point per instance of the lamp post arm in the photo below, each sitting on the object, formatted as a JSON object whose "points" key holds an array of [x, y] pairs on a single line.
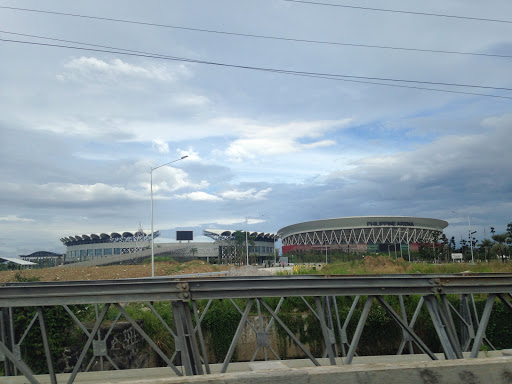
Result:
{"points": [[152, 231], [170, 162]]}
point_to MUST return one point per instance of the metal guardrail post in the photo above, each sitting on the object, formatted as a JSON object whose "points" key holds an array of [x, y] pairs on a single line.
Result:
{"points": [[480, 334], [440, 327], [406, 338], [467, 331], [200, 334], [5, 339], [406, 328], [343, 335], [238, 332], [359, 329], [327, 331], [46, 344], [190, 357]]}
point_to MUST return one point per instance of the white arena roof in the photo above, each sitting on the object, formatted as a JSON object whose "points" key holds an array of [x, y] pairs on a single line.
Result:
{"points": [[105, 237], [362, 230], [220, 234]]}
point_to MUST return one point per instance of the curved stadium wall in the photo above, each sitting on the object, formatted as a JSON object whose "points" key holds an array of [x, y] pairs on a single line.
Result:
{"points": [[361, 234]]}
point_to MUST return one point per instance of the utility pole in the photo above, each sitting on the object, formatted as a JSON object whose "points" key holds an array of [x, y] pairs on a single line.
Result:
{"points": [[246, 248], [471, 240]]}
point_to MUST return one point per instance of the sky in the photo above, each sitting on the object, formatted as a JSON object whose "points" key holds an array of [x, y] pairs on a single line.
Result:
{"points": [[82, 128]]}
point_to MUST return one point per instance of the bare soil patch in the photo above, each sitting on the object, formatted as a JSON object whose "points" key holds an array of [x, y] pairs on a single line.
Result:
{"points": [[111, 272]]}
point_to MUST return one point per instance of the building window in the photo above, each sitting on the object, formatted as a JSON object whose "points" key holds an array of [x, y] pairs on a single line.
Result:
{"points": [[107, 251], [117, 251], [83, 253], [98, 252], [90, 252]]}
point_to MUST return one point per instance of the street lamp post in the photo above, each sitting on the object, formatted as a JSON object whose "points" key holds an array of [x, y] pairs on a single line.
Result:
{"points": [[247, 249], [152, 232]]}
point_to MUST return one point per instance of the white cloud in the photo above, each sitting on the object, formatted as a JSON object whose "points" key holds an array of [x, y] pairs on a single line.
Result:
{"points": [[14, 218], [199, 196], [264, 140], [170, 179], [161, 146], [191, 154], [231, 221], [250, 194], [91, 68], [190, 100], [63, 193]]}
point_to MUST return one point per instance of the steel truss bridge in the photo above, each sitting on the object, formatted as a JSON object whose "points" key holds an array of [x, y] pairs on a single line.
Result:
{"points": [[461, 329]]}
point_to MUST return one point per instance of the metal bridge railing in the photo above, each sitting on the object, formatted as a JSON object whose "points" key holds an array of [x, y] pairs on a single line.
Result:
{"points": [[458, 330]]}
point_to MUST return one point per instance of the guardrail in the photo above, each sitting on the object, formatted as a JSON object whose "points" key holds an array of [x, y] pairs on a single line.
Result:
{"points": [[459, 330]]}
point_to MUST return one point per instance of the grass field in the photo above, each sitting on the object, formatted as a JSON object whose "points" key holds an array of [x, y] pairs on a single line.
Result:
{"points": [[389, 265]]}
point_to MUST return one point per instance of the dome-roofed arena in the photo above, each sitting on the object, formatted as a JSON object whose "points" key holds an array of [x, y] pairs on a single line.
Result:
{"points": [[361, 234]]}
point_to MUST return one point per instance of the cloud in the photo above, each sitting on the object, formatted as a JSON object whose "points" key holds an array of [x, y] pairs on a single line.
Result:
{"points": [[170, 179], [67, 193], [191, 154], [249, 194], [198, 196], [257, 139], [91, 68], [161, 146], [457, 168], [190, 100], [14, 218]]}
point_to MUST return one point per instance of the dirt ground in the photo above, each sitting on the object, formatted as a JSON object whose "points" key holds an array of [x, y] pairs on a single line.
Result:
{"points": [[111, 272]]}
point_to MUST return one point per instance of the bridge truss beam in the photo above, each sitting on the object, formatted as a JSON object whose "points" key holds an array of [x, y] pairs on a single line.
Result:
{"points": [[250, 296]]}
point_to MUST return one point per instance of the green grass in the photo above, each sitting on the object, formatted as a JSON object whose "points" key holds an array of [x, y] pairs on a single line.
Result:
{"points": [[389, 265]]}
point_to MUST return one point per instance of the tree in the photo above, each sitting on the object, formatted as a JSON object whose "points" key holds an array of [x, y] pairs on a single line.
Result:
{"points": [[463, 244], [500, 248], [486, 244], [446, 247], [452, 243], [193, 251], [239, 245], [509, 233], [435, 245]]}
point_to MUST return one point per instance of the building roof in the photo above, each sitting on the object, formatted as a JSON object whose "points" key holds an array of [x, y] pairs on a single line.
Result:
{"points": [[16, 261], [106, 237], [363, 222], [41, 254], [224, 234]]}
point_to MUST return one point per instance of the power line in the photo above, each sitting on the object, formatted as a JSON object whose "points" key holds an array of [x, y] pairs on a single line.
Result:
{"points": [[74, 42], [410, 87], [355, 45], [110, 49], [401, 11], [327, 76], [257, 36]]}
